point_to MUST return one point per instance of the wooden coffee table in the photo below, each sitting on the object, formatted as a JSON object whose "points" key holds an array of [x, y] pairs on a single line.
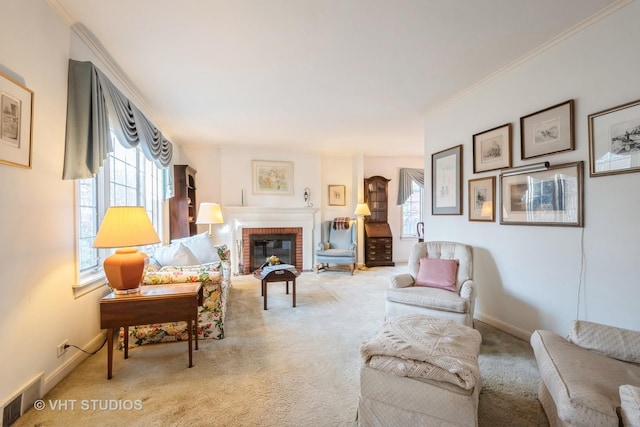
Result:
{"points": [[285, 275], [153, 304]]}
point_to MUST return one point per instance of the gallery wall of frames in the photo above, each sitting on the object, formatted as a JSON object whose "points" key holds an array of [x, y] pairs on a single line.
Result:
{"points": [[539, 192]]}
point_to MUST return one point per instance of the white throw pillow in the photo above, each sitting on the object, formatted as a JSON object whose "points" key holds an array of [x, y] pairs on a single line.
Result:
{"points": [[175, 254], [201, 246]]}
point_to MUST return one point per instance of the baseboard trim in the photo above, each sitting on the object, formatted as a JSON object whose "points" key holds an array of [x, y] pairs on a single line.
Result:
{"points": [[65, 369], [503, 326]]}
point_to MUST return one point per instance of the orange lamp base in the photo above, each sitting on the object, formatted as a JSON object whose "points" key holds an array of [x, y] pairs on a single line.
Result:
{"points": [[124, 270]]}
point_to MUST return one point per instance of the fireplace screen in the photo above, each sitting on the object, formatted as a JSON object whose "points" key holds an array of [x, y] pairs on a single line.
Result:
{"points": [[263, 246]]}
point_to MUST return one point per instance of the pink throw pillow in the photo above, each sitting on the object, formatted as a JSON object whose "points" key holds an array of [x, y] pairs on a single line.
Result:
{"points": [[438, 273]]}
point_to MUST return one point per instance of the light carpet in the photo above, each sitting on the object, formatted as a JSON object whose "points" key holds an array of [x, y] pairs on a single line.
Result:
{"points": [[281, 367]]}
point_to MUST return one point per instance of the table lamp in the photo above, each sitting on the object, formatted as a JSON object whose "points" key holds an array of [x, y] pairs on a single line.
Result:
{"points": [[122, 228], [362, 209], [209, 213]]}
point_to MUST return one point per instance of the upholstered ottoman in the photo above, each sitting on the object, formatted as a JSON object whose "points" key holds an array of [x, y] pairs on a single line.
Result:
{"points": [[420, 370]]}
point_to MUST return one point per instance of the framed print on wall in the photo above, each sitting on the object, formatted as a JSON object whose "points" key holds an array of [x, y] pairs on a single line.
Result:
{"points": [[337, 195], [549, 197], [492, 149], [270, 177], [16, 115], [547, 131], [482, 200], [614, 140], [446, 182]]}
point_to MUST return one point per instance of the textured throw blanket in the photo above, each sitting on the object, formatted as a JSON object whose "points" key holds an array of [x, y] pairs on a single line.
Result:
{"points": [[426, 347], [341, 223]]}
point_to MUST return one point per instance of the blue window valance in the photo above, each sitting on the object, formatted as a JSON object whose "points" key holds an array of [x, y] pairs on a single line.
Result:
{"points": [[407, 175], [95, 108]]}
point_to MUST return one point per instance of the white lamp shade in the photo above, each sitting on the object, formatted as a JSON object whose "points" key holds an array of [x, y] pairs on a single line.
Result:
{"points": [[125, 226], [209, 213], [362, 209]]}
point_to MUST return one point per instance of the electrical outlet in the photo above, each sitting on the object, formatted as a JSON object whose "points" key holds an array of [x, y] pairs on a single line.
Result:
{"points": [[62, 349]]}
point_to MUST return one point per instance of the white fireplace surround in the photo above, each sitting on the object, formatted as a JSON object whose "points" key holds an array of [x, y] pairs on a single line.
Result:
{"points": [[239, 217]]}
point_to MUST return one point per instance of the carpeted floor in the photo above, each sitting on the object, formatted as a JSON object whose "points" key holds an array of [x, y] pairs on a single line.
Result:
{"points": [[281, 367]]}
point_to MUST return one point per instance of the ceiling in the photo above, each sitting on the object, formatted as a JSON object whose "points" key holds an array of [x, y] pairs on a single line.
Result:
{"points": [[330, 76]]}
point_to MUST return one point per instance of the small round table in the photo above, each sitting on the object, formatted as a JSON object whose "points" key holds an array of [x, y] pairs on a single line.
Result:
{"points": [[284, 275]]}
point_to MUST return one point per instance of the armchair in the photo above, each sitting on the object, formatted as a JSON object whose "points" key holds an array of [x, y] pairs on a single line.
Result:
{"points": [[337, 246], [406, 296]]}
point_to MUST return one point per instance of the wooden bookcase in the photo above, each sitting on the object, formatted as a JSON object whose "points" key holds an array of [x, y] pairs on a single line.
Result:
{"points": [[182, 206]]}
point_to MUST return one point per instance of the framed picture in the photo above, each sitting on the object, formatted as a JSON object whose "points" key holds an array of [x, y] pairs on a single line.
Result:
{"points": [[482, 201], [16, 115], [492, 149], [272, 177], [614, 140], [549, 197], [547, 131], [337, 195], [446, 182]]}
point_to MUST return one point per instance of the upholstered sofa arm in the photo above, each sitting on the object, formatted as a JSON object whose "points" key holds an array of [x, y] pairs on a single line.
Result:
{"points": [[323, 246], [630, 405], [353, 247], [402, 281], [467, 289], [610, 341]]}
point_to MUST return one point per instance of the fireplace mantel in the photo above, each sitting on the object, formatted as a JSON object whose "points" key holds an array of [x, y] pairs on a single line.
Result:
{"points": [[239, 217], [248, 213]]}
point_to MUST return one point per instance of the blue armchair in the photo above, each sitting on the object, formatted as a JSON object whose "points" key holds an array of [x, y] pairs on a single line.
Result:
{"points": [[338, 245]]}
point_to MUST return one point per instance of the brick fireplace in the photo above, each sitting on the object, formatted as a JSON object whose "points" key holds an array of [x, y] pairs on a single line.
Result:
{"points": [[245, 220], [247, 250]]}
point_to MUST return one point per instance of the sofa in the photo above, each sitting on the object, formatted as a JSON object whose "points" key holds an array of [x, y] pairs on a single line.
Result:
{"points": [[193, 259], [591, 378]]}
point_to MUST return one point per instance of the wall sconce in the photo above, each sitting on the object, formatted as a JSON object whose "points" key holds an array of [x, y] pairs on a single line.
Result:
{"points": [[307, 197], [536, 167]]}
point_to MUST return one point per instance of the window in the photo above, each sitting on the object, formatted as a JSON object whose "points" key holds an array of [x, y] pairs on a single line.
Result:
{"points": [[127, 178], [412, 211]]}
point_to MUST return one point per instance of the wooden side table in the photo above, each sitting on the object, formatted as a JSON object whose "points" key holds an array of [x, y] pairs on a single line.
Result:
{"points": [[285, 275], [153, 304]]}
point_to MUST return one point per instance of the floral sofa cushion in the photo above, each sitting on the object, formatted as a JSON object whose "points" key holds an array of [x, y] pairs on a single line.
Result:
{"points": [[215, 281]]}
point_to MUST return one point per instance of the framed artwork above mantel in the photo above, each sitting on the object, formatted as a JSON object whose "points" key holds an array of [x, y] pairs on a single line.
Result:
{"points": [[272, 177]]}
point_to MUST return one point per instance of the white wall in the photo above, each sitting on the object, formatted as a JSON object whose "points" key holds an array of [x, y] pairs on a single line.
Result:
{"points": [[37, 306], [529, 277]]}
